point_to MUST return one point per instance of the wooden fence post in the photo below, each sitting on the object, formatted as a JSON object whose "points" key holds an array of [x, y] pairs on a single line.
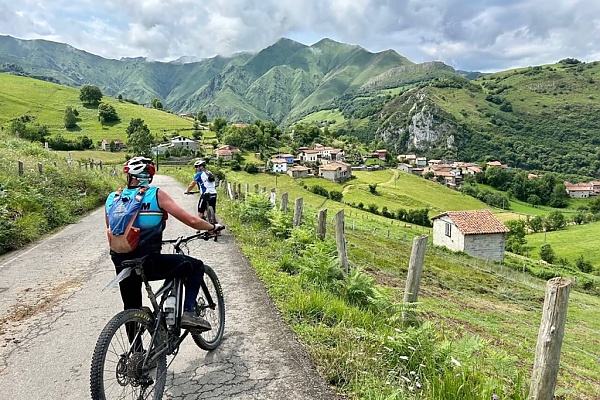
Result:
{"points": [[340, 240], [256, 188], [40, 168], [273, 197], [263, 189], [550, 336], [100, 165], [322, 224], [230, 191], [247, 192], [298, 211], [284, 202], [415, 268], [21, 167]]}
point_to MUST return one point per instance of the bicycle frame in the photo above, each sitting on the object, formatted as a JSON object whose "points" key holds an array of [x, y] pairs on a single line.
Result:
{"points": [[169, 287]]}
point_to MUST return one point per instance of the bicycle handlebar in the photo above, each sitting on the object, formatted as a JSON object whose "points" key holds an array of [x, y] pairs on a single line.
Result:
{"points": [[201, 235], [194, 192]]}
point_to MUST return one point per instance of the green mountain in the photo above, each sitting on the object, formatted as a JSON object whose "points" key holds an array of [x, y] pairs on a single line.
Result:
{"points": [[278, 83], [537, 118]]}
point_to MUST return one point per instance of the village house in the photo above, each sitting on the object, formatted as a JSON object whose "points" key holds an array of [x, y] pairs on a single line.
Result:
{"points": [[336, 172], [105, 145], [298, 171], [496, 164], [421, 162], [185, 143], [279, 165], [226, 152], [580, 190], [478, 233], [161, 148], [308, 155], [380, 154], [409, 159], [405, 168], [287, 157]]}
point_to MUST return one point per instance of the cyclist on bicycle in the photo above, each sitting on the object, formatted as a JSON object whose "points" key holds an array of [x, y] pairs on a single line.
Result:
{"points": [[206, 183], [157, 204]]}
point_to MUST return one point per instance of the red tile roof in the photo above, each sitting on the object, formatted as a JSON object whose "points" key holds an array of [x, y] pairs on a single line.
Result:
{"points": [[475, 222]]}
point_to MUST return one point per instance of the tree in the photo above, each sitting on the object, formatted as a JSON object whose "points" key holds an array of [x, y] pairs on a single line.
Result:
{"points": [[536, 223], [135, 124], [139, 141], [70, 118], [547, 254], [120, 97], [107, 113], [218, 125], [555, 221], [202, 117], [90, 94], [156, 103], [516, 236]]}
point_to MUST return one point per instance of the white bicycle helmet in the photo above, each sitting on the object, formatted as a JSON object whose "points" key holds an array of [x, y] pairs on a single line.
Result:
{"points": [[142, 168], [200, 163]]}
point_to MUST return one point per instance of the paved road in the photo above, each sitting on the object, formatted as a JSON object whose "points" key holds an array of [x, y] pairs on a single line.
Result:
{"points": [[52, 308]]}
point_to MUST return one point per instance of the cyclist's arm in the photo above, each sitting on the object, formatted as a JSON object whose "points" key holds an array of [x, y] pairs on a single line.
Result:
{"points": [[168, 204], [190, 186]]}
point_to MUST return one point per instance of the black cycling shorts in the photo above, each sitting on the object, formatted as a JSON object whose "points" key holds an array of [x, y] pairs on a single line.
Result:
{"points": [[207, 199]]}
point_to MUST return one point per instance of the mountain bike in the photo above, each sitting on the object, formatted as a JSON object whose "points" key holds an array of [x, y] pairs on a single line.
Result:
{"points": [[130, 356], [211, 216]]}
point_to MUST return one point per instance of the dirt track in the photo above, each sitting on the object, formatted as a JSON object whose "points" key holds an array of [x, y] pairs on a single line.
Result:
{"points": [[52, 308]]}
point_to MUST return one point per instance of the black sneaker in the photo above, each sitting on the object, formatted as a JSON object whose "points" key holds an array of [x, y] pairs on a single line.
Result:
{"points": [[189, 320]]}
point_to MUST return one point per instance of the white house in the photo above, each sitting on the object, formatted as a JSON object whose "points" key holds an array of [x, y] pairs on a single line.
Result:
{"points": [[478, 233], [185, 143], [308, 155], [279, 165]]}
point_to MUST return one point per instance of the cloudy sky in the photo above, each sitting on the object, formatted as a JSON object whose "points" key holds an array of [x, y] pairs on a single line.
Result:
{"points": [[476, 35]]}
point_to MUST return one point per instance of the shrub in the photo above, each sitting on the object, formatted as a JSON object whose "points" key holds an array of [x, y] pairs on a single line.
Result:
{"points": [[256, 209], [547, 254]]}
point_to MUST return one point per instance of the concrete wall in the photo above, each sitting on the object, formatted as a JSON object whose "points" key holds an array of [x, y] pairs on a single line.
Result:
{"points": [[490, 246]]}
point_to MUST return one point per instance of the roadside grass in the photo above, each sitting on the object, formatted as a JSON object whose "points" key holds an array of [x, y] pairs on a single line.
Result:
{"points": [[33, 204], [485, 315], [47, 102]]}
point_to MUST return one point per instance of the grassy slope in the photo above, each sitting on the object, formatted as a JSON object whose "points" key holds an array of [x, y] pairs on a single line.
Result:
{"points": [[47, 101], [459, 294]]}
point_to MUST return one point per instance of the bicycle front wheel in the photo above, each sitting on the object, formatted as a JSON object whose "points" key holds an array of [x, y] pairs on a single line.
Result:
{"points": [[119, 368], [211, 307]]}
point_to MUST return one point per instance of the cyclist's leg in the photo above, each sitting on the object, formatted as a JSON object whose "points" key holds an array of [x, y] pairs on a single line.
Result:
{"points": [[190, 269], [202, 205], [213, 201]]}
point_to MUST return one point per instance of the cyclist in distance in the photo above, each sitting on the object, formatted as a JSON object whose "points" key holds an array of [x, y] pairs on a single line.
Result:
{"points": [[206, 184], [152, 218]]}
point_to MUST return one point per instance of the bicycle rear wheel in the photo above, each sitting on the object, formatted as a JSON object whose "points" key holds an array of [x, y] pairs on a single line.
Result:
{"points": [[118, 370], [212, 218], [211, 309]]}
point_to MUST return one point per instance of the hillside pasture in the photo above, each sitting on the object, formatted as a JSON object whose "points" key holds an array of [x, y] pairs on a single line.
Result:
{"points": [[47, 102]]}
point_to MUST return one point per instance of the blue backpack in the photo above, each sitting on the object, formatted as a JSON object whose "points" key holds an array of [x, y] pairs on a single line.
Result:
{"points": [[123, 229]]}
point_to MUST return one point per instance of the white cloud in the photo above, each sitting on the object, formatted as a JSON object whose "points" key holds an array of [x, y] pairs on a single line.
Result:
{"points": [[472, 35]]}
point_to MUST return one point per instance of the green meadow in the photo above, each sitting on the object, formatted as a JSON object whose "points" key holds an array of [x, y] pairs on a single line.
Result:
{"points": [[47, 102]]}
